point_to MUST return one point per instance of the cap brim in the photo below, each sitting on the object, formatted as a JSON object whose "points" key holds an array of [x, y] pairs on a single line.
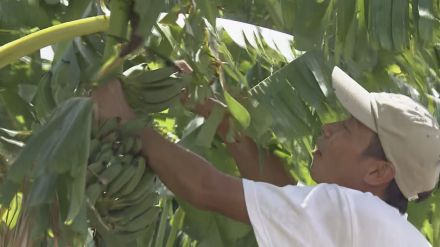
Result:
{"points": [[353, 97]]}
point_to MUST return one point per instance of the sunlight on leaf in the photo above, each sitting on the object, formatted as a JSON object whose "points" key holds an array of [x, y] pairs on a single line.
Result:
{"points": [[10, 216], [238, 111], [20, 119]]}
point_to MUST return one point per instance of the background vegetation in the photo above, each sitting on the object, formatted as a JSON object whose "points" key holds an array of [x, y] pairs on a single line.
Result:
{"points": [[281, 97]]}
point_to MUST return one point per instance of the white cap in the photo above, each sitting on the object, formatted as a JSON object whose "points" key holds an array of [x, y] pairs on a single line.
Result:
{"points": [[409, 134]]}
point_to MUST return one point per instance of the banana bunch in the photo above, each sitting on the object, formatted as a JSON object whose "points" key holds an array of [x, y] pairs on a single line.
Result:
{"points": [[121, 188], [153, 90]]}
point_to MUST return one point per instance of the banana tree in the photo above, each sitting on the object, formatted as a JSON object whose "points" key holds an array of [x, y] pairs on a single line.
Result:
{"points": [[69, 180]]}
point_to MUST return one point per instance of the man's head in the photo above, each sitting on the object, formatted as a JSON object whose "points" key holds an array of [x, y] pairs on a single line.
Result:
{"points": [[348, 154], [406, 132]]}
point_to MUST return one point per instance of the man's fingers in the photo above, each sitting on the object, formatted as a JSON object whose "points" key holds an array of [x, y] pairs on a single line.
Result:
{"points": [[110, 101]]}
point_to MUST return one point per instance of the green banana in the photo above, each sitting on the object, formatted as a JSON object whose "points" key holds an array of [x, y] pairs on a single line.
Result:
{"points": [[93, 170], [110, 173], [96, 167], [137, 146], [160, 106], [127, 159], [111, 138], [120, 150], [143, 187], [120, 204], [105, 156], [135, 71], [108, 126], [123, 178], [126, 237], [145, 219], [119, 184], [126, 214], [93, 193], [94, 146], [105, 146], [127, 143], [134, 198], [167, 82], [149, 76], [131, 185], [161, 94]]}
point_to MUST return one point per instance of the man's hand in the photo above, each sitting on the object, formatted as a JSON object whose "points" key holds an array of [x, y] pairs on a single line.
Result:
{"points": [[243, 149], [110, 102]]}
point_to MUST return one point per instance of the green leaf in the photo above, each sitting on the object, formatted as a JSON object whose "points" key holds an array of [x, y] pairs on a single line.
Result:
{"points": [[238, 111], [60, 146], [52, 1], [42, 218], [345, 13], [307, 25], [171, 17], [208, 9], [289, 91], [11, 214], [8, 190], [400, 24], [209, 128], [77, 188], [19, 111], [148, 12], [380, 22], [44, 102], [66, 76], [426, 19], [43, 190]]}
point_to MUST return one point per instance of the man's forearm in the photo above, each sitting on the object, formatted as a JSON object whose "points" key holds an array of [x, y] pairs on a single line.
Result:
{"points": [[193, 179], [183, 172]]}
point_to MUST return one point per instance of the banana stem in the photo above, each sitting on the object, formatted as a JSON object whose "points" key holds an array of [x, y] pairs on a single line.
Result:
{"points": [[117, 32], [163, 221], [176, 225], [65, 31]]}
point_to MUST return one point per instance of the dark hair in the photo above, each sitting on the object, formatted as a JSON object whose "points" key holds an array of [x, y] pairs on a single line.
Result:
{"points": [[393, 196]]}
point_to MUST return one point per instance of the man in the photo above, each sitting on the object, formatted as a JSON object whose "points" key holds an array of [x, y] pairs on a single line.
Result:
{"points": [[368, 167]]}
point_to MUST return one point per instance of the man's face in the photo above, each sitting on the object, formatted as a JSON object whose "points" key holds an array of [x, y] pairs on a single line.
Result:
{"points": [[339, 155]]}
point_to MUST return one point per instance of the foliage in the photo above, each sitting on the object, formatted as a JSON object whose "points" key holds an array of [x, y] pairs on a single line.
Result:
{"points": [[281, 103]]}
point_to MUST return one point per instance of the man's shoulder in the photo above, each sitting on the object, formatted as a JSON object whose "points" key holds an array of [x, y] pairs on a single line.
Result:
{"points": [[358, 199], [343, 192]]}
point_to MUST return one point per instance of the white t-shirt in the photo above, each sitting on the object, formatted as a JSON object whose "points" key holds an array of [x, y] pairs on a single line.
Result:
{"points": [[325, 215]]}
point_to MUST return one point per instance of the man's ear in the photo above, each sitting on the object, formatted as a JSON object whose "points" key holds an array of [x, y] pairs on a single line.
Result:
{"points": [[379, 172]]}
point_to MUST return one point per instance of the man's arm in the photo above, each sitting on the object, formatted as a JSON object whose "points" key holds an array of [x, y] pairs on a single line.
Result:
{"points": [[185, 173], [246, 154], [193, 178]]}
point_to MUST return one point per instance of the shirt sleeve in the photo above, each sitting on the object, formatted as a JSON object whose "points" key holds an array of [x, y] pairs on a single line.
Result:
{"points": [[296, 216]]}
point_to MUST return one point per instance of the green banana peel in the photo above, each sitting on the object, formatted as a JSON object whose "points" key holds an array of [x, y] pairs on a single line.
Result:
{"points": [[51, 35]]}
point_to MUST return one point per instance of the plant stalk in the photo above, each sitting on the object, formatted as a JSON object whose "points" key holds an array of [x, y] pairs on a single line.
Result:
{"points": [[118, 27], [166, 204], [51, 35], [176, 225]]}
